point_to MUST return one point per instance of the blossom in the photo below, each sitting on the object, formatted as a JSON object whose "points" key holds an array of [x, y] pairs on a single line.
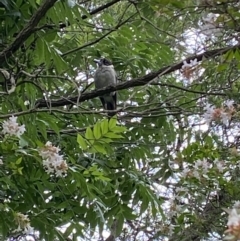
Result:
{"points": [[181, 189], [205, 166], [198, 163], [23, 223], [229, 104], [208, 115], [209, 18], [210, 28], [196, 174], [222, 114], [185, 172], [52, 161], [234, 218], [12, 128], [236, 204], [219, 165], [26, 102], [233, 231]]}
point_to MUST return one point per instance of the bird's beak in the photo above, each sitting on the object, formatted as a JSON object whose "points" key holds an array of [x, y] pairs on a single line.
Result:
{"points": [[97, 61]]}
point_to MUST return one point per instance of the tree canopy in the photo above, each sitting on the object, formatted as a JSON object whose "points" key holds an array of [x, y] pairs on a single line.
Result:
{"points": [[166, 166]]}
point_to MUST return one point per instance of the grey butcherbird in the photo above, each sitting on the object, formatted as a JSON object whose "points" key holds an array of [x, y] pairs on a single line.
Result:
{"points": [[105, 75]]}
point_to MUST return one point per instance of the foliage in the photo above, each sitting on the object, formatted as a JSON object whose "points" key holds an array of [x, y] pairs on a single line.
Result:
{"points": [[165, 166]]}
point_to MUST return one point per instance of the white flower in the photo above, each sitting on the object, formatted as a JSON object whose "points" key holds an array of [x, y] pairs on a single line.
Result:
{"points": [[198, 163], [205, 166], [201, 166], [185, 172], [181, 189], [52, 161], [17, 230], [171, 213], [23, 223], [234, 218], [196, 174], [1, 161], [209, 18], [219, 165], [178, 208], [229, 103], [225, 117], [26, 102], [12, 128], [209, 107], [209, 29], [186, 65], [171, 230], [193, 62], [236, 204], [28, 230], [208, 115]]}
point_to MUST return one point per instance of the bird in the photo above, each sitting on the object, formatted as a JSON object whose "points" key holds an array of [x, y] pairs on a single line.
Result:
{"points": [[105, 75]]}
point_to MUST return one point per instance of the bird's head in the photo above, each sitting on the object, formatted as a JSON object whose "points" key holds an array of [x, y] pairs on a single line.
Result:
{"points": [[103, 62]]}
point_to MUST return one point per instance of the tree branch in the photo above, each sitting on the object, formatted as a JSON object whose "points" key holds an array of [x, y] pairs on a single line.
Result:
{"points": [[138, 81], [98, 39], [27, 30], [99, 9]]}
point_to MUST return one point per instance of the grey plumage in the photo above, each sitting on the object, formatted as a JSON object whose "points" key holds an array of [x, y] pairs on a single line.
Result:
{"points": [[105, 75]]}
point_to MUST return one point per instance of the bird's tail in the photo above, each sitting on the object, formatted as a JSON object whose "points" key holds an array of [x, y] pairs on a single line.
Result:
{"points": [[111, 106]]}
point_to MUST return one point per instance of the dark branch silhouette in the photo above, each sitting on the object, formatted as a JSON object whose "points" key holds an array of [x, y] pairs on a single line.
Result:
{"points": [[136, 82], [26, 31], [99, 9]]}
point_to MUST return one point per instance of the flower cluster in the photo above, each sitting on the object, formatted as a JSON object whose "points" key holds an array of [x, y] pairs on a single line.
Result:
{"points": [[201, 168], [174, 207], [223, 114], [188, 68], [233, 231], [12, 128], [52, 161], [23, 223]]}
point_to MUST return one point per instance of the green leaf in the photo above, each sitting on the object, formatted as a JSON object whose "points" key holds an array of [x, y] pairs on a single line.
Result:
{"points": [[81, 142], [97, 130], [18, 161], [119, 224], [19, 170], [112, 123], [119, 129], [104, 126], [98, 148], [127, 213], [113, 135], [89, 134]]}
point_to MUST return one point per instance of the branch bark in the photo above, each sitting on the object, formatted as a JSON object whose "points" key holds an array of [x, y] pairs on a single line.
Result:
{"points": [[27, 30], [136, 82], [99, 9]]}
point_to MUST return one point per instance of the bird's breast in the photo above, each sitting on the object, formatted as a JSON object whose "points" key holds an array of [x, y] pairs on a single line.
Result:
{"points": [[104, 77]]}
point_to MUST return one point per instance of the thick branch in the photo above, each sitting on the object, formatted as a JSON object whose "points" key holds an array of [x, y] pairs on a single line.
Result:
{"points": [[99, 9], [136, 82], [27, 30]]}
